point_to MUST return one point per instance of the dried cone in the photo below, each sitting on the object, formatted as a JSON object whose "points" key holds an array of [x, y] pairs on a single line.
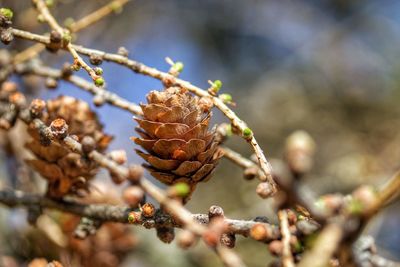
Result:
{"points": [[174, 132], [67, 172]]}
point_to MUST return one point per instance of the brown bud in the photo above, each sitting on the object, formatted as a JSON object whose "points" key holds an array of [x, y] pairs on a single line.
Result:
{"points": [[228, 240], [366, 195], [59, 128], [66, 70], [119, 156], [135, 173], [132, 196], [299, 151], [55, 37], [264, 190], [99, 100], [88, 144], [148, 210], [96, 59], [37, 107], [186, 239], [259, 232], [165, 234], [51, 83], [215, 211], [122, 51], [275, 247], [6, 36], [250, 173]]}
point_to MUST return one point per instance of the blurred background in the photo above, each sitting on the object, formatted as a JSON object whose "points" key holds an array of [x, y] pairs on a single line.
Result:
{"points": [[329, 67]]}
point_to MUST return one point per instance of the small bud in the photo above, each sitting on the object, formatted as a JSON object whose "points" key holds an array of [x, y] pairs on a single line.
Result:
{"points": [[99, 82], [76, 66], [292, 217], [275, 247], [148, 210], [228, 240], [88, 144], [247, 133], [59, 128], [122, 51], [55, 37], [7, 13], [116, 7], [133, 195], [264, 190], [250, 173], [66, 70], [176, 68], [98, 71], [299, 152], [99, 100], [215, 211], [6, 36], [67, 38], [68, 22], [37, 107], [40, 18], [180, 189], [186, 239], [217, 84], [119, 156], [51, 83], [366, 195], [165, 234], [259, 232], [96, 59], [226, 98], [135, 173], [134, 217]]}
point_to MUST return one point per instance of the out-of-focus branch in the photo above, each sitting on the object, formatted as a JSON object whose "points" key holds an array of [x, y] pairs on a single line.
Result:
{"points": [[324, 247], [287, 257]]}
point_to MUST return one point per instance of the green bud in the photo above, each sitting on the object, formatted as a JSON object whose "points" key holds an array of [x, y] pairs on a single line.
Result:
{"points": [[116, 7], [247, 132], [99, 81], [7, 13], [68, 22], [182, 189], [76, 67], [227, 98], [98, 71], [177, 67], [355, 207], [67, 38], [217, 84]]}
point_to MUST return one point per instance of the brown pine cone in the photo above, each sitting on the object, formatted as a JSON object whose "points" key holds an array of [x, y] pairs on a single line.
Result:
{"points": [[65, 171], [174, 132]]}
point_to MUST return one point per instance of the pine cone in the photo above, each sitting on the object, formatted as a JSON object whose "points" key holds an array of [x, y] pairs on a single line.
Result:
{"points": [[174, 132], [65, 171]]}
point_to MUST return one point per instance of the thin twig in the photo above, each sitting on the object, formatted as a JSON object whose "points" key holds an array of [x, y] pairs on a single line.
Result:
{"points": [[42, 8]]}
